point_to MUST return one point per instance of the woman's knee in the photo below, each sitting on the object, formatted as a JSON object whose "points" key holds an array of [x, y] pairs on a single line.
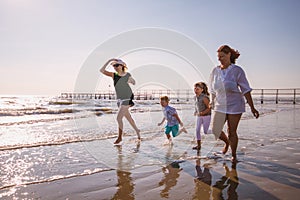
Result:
{"points": [[120, 117], [232, 135]]}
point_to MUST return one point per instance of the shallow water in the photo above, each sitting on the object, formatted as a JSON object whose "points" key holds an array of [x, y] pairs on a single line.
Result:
{"points": [[39, 145]]}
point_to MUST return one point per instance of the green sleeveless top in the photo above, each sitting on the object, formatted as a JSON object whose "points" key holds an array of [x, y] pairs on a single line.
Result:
{"points": [[123, 90]]}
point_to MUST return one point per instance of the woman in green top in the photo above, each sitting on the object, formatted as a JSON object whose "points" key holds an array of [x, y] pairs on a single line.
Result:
{"points": [[124, 93]]}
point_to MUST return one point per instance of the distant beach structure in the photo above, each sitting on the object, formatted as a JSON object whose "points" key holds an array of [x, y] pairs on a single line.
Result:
{"points": [[277, 95], [287, 95]]}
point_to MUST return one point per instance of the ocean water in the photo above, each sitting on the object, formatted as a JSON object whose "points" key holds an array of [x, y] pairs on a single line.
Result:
{"points": [[43, 139]]}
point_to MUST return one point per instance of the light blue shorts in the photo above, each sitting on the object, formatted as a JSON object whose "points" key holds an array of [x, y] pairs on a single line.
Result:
{"points": [[174, 129]]}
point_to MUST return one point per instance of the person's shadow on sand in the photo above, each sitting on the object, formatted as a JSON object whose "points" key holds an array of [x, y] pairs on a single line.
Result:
{"points": [[230, 181]]}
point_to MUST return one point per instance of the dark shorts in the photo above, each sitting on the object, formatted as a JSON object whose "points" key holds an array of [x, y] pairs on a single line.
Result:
{"points": [[126, 102]]}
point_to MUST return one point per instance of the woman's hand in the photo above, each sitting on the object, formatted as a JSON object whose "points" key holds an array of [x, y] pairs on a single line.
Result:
{"points": [[250, 103], [255, 113], [103, 68]]}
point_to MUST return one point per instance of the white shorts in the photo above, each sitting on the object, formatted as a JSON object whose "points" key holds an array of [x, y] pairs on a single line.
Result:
{"points": [[218, 123]]}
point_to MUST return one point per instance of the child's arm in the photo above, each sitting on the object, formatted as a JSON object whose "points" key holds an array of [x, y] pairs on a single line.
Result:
{"points": [[163, 120], [178, 119], [212, 103], [104, 71], [207, 110], [195, 111]]}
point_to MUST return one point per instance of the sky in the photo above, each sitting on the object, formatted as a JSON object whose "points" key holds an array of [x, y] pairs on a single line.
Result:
{"points": [[45, 44]]}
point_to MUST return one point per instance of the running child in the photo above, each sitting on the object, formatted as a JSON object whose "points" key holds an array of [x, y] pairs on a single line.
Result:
{"points": [[173, 120], [202, 111]]}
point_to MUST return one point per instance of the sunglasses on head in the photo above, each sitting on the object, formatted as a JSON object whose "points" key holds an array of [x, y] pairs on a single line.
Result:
{"points": [[116, 65]]}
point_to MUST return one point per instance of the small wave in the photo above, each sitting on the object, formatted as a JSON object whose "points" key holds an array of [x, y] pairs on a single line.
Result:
{"points": [[262, 112], [102, 110], [41, 120], [91, 112], [58, 177], [74, 101], [58, 142], [284, 139], [50, 112], [77, 139], [34, 111], [61, 103]]}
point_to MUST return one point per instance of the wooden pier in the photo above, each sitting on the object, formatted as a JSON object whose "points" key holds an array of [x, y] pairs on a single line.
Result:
{"points": [[259, 95], [277, 95], [182, 95], [100, 95]]}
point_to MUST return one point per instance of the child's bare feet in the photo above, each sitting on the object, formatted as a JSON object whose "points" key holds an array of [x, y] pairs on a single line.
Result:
{"points": [[168, 142], [183, 130], [197, 147], [138, 134]]}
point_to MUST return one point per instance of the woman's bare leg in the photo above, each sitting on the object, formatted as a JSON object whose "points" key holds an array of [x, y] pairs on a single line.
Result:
{"points": [[119, 139], [132, 122], [219, 120], [233, 122], [225, 139], [121, 113]]}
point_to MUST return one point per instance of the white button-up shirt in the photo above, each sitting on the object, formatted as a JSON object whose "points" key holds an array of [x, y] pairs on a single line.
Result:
{"points": [[229, 86]]}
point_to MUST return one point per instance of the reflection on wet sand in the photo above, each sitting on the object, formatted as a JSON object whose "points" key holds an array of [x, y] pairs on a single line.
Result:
{"points": [[203, 186], [125, 183], [202, 181], [171, 173], [125, 186], [230, 181]]}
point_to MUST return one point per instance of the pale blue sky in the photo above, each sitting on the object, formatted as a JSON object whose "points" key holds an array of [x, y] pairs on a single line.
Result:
{"points": [[45, 42]]}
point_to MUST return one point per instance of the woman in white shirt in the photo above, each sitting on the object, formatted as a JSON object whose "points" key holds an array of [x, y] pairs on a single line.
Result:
{"points": [[228, 87]]}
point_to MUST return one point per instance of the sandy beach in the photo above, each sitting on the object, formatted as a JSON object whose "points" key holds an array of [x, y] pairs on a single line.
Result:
{"points": [[74, 72], [268, 168]]}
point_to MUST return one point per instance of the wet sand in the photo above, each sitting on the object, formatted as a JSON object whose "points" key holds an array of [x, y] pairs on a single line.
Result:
{"points": [[270, 169]]}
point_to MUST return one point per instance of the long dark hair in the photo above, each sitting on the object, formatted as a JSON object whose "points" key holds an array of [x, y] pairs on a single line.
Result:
{"points": [[226, 49], [203, 86]]}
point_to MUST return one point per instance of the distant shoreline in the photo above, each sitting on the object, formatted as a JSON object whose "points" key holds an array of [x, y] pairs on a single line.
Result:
{"points": [[276, 95]]}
